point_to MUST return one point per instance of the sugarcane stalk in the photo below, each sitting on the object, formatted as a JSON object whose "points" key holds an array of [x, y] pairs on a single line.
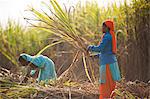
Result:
{"points": [[85, 67]]}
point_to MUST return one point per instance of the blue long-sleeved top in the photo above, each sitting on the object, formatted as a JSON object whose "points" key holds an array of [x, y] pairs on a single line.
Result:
{"points": [[106, 55]]}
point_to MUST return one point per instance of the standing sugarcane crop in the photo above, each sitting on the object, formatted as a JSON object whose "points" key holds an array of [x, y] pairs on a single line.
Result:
{"points": [[109, 70]]}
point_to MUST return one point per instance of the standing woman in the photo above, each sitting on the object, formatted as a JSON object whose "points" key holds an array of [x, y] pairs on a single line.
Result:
{"points": [[109, 70]]}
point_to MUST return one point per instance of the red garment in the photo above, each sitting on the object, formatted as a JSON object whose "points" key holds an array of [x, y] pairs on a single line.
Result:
{"points": [[110, 24], [107, 87]]}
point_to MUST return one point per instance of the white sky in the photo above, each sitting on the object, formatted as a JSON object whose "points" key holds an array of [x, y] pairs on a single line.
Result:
{"points": [[14, 9]]}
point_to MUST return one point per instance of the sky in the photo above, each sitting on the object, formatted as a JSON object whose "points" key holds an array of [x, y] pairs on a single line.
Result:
{"points": [[15, 9]]}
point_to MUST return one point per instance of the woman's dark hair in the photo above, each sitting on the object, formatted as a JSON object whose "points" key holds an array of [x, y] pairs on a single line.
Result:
{"points": [[106, 25], [21, 59]]}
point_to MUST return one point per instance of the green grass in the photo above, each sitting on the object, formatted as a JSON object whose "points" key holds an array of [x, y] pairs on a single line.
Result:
{"points": [[16, 39]]}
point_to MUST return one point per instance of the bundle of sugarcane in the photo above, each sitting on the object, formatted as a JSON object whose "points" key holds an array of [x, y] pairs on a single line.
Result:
{"points": [[60, 23]]}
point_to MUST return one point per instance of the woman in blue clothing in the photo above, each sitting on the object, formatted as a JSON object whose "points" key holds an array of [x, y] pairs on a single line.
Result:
{"points": [[40, 63], [109, 70]]}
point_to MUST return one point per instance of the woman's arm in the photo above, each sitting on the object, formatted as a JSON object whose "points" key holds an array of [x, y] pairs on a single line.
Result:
{"points": [[25, 79], [102, 45]]}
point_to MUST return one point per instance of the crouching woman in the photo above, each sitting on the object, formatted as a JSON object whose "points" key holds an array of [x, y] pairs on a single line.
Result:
{"points": [[40, 63]]}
